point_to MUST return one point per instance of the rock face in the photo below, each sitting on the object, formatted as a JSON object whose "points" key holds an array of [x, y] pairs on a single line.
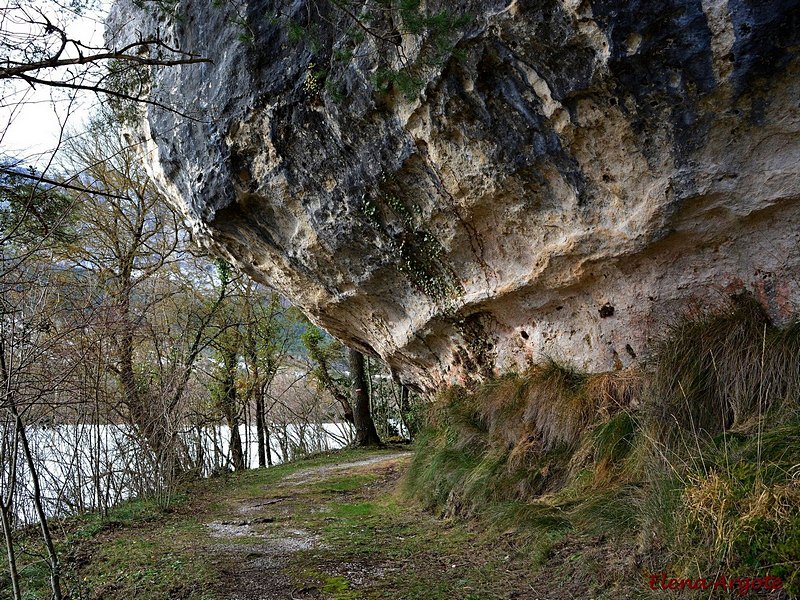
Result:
{"points": [[562, 179]]}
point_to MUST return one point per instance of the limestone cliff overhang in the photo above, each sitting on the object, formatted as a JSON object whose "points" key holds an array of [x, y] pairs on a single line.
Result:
{"points": [[570, 178]]}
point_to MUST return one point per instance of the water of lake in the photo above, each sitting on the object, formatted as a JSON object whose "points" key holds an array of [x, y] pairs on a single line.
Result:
{"points": [[94, 467]]}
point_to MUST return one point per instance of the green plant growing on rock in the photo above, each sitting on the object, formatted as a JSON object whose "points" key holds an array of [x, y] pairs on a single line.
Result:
{"points": [[294, 31], [315, 81], [370, 209], [421, 257], [439, 32], [376, 31], [336, 91], [403, 80], [239, 19], [422, 261]]}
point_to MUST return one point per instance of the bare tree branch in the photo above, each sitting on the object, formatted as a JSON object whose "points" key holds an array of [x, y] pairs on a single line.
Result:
{"points": [[123, 54]]}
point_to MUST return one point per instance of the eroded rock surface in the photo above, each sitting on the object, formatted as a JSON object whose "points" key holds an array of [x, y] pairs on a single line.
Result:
{"points": [[571, 176]]}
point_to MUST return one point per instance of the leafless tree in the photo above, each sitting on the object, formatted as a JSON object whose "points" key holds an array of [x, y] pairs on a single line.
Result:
{"points": [[39, 51]]}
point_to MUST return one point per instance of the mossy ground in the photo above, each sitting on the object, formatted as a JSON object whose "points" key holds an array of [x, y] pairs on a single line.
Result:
{"points": [[330, 527], [343, 527]]}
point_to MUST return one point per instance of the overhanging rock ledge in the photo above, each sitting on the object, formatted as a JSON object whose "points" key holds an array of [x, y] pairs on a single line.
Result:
{"points": [[564, 180]]}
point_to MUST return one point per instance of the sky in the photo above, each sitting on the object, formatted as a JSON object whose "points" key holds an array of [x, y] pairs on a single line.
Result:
{"points": [[31, 119]]}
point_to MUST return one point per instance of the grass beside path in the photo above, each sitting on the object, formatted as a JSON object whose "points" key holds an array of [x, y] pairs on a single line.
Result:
{"points": [[329, 527]]}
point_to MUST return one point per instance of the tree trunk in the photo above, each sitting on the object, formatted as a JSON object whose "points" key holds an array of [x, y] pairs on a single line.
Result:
{"points": [[266, 444], [260, 434], [366, 435], [151, 424], [201, 451], [10, 555], [237, 453], [230, 411], [55, 566], [405, 410], [6, 512], [7, 498]]}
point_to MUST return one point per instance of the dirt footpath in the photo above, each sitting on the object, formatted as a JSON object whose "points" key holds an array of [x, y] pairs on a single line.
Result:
{"points": [[257, 541], [334, 526]]}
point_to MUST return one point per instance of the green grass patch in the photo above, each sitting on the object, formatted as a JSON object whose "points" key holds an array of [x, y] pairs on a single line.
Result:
{"points": [[354, 511], [160, 566], [338, 588]]}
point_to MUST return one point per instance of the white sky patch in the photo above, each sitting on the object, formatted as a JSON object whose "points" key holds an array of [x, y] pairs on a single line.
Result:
{"points": [[32, 119]]}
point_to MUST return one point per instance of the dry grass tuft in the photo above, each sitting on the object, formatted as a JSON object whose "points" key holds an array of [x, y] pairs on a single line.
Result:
{"points": [[556, 406], [722, 371], [708, 503], [615, 391], [777, 503], [501, 405], [699, 451]]}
